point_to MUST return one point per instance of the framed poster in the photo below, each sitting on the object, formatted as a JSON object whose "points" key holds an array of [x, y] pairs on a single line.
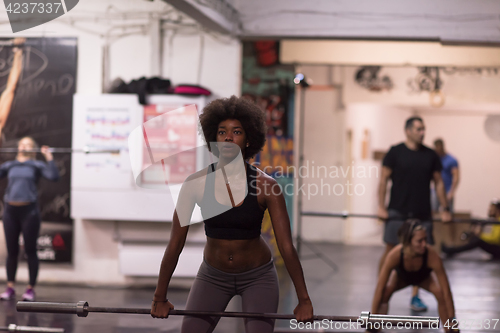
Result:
{"points": [[171, 131]]}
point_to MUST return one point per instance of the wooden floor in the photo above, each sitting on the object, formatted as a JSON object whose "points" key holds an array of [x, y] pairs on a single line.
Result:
{"points": [[341, 283]]}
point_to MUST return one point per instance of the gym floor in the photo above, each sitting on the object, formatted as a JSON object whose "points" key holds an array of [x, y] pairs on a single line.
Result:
{"points": [[342, 284]]}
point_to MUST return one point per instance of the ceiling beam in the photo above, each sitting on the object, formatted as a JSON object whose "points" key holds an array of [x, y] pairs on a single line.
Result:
{"points": [[446, 21], [387, 53], [223, 19]]}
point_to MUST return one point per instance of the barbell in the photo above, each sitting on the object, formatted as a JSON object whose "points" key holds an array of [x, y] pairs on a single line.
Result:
{"points": [[82, 309], [11, 43], [86, 150], [345, 214], [17, 328]]}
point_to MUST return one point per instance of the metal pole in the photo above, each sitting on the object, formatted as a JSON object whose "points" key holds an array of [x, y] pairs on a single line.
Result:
{"points": [[16, 328], [10, 43], [300, 151], [346, 215]]}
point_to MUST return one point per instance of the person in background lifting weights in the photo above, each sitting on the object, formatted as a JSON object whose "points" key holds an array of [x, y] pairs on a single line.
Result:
{"points": [[411, 166], [479, 238], [414, 262], [21, 214]]}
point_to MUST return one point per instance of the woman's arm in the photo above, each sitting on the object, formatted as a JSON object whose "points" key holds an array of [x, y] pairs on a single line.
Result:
{"points": [[7, 96], [281, 225], [391, 261], [178, 234], [49, 170], [436, 264], [4, 169]]}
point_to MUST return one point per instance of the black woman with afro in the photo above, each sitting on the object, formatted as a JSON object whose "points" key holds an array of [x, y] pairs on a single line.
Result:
{"points": [[233, 198]]}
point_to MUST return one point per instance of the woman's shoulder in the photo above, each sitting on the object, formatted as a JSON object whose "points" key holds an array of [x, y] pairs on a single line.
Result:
{"points": [[8, 162], [433, 257], [262, 177], [267, 184], [6, 165], [392, 259], [395, 253]]}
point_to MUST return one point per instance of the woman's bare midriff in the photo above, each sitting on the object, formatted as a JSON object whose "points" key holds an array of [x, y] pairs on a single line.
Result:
{"points": [[236, 256]]}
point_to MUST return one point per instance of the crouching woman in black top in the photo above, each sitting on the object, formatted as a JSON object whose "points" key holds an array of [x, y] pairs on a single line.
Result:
{"points": [[414, 262], [20, 212], [237, 261]]}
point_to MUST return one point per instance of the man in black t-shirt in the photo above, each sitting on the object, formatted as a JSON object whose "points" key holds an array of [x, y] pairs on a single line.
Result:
{"points": [[411, 166]]}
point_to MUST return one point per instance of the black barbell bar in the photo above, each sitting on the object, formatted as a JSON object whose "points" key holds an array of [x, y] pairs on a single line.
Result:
{"points": [[34, 329], [11, 43], [85, 150], [345, 215], [82, 309]]}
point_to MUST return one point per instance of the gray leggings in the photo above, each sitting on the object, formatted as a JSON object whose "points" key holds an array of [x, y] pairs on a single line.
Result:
{"points": [[213, 289]]}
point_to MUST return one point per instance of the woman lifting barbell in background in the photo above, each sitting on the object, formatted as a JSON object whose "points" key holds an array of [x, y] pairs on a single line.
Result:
{"points": [[21, 214], [237, 261], [414, 262]]}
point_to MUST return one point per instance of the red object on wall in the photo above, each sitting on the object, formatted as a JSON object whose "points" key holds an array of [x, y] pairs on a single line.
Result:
{"points": [[267, 52], [58, 242]]}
